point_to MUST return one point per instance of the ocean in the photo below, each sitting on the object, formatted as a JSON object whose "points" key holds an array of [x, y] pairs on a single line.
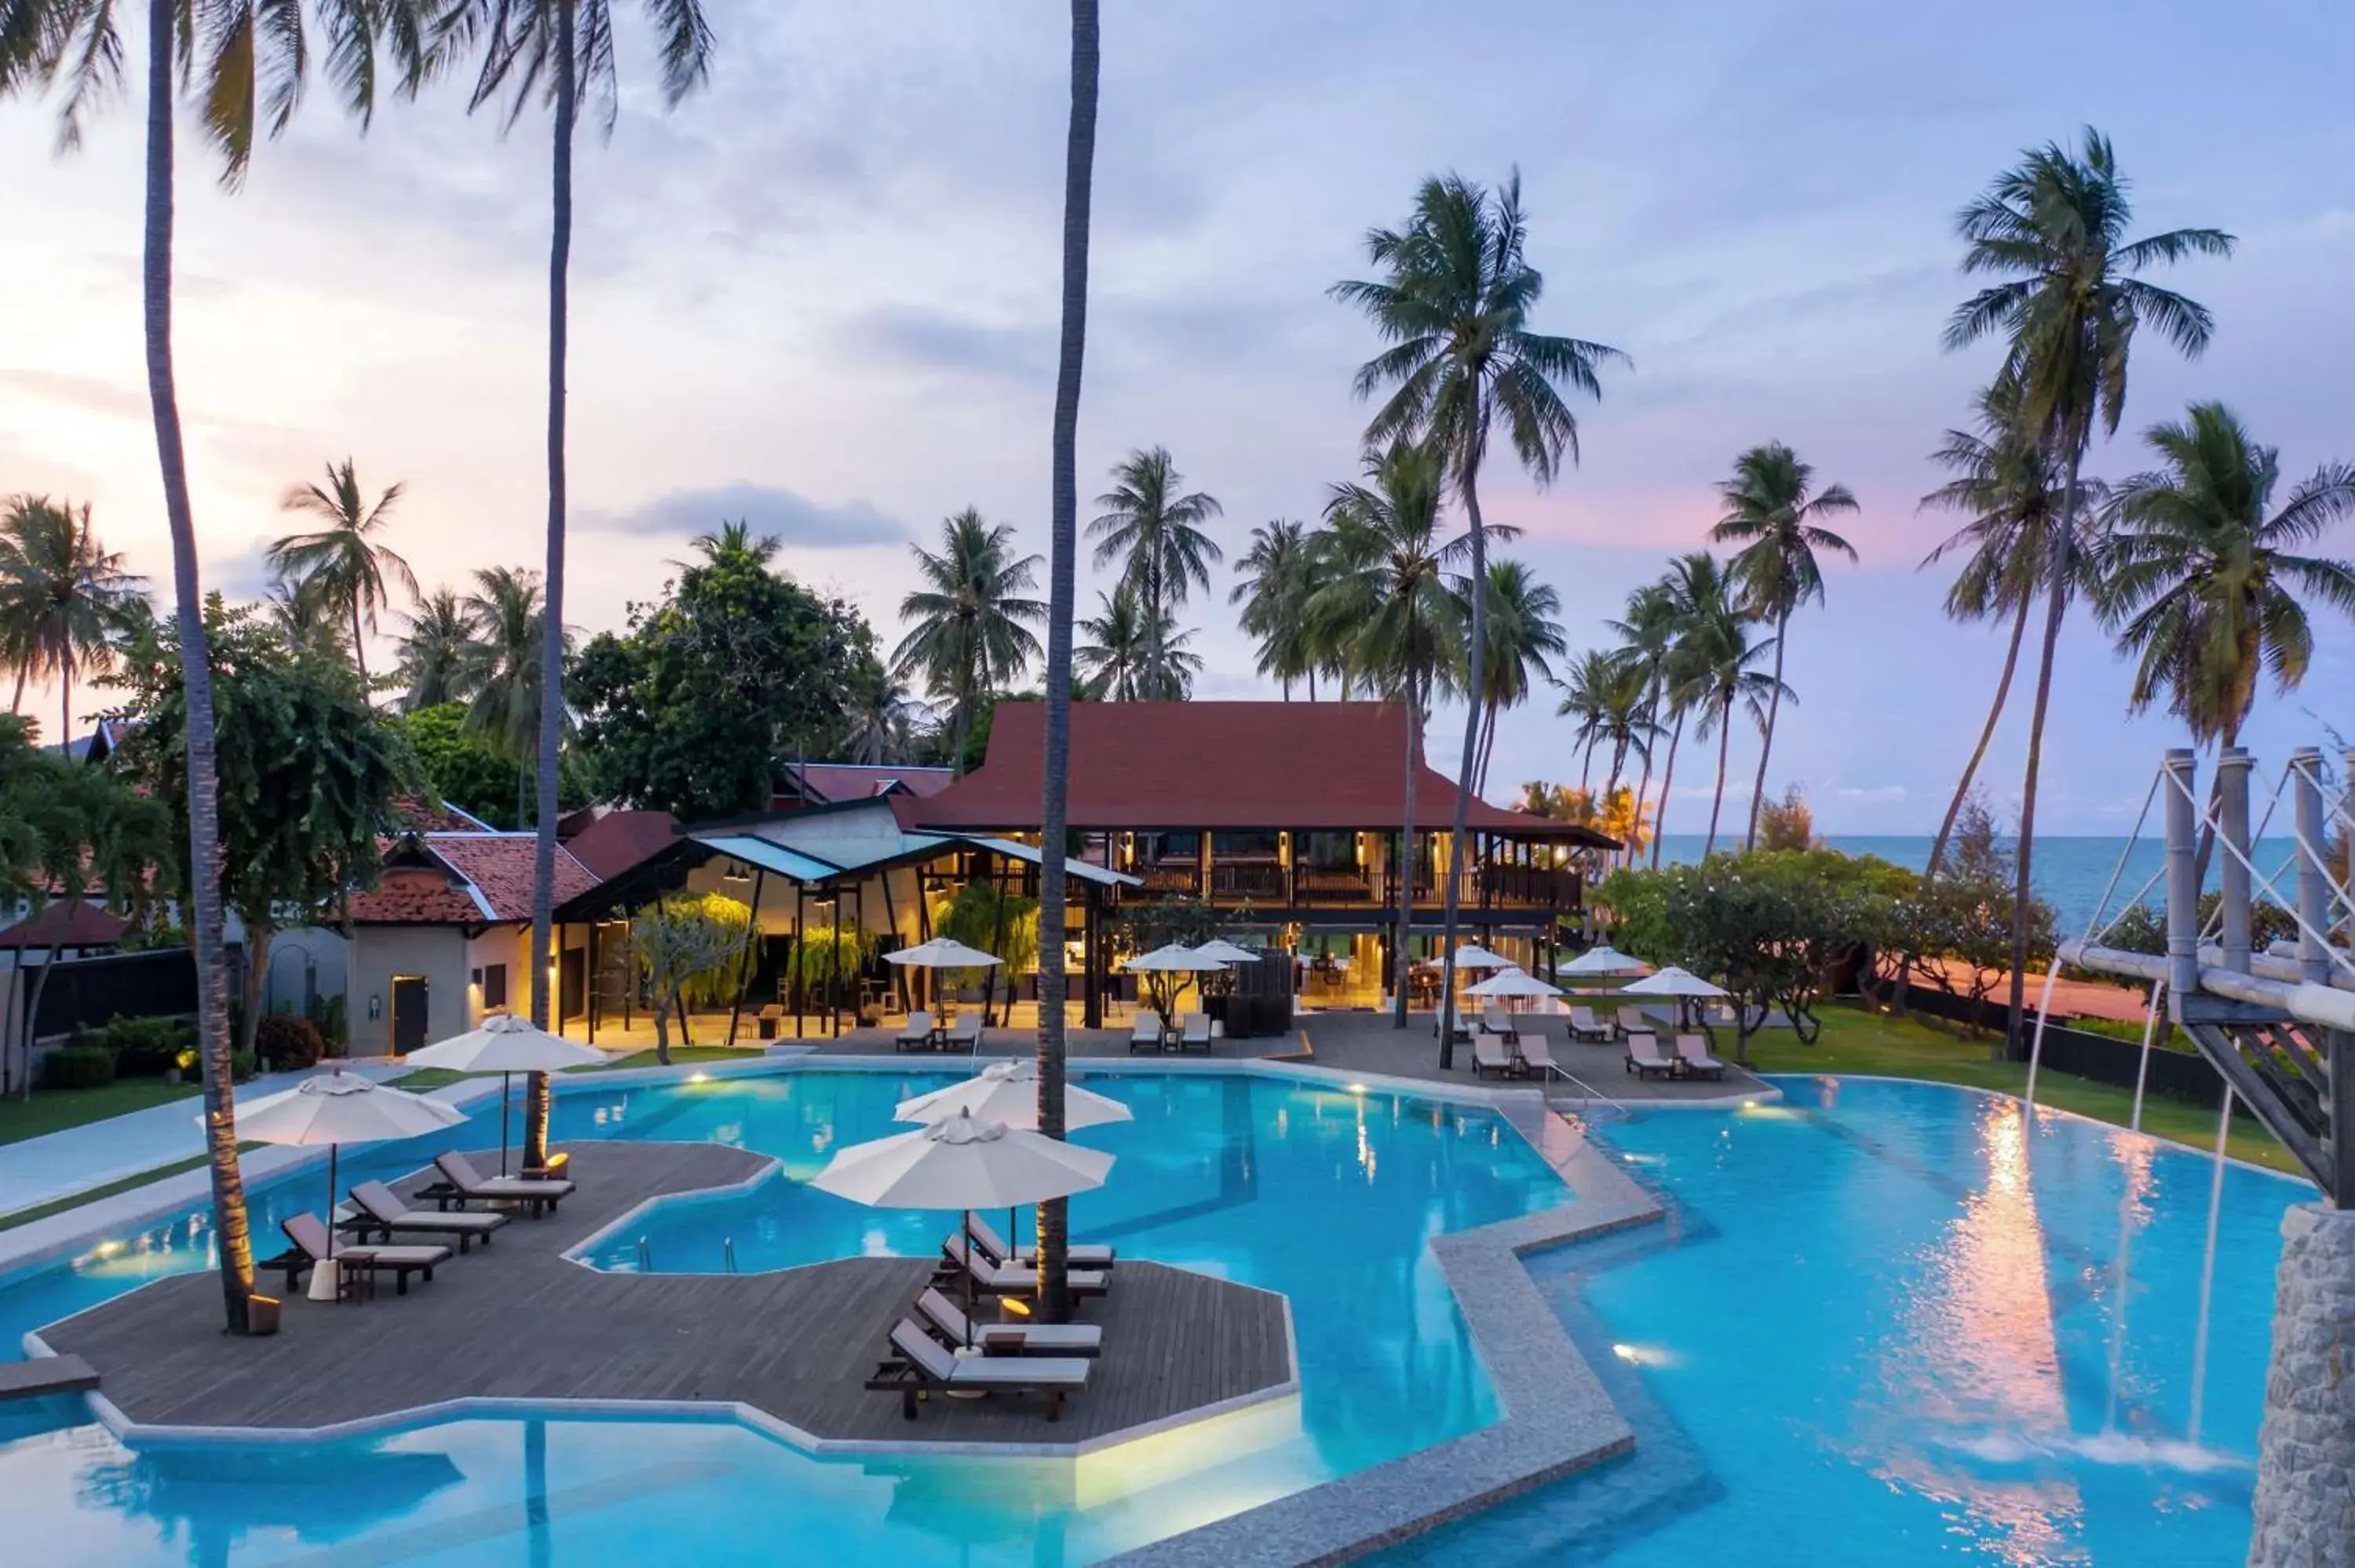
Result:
{"points": [[2070, 873]]}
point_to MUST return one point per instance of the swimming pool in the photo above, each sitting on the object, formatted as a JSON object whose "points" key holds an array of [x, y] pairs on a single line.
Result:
{"points": [[1324, 1196], [1877, 1327]]}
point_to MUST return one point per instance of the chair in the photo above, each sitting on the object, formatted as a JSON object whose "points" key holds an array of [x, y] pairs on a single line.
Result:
{"points": [[923, 1364], [993, 1247], [382, 1212], [1489, 1055], [313, 1245], [1144, 1034], [1495, 1019], [1194, 1029], [1006, 1279], [1008, 1338], [1584, 1025], [1644, 1058], [770, 1021], [964, 1034], [1693, 1055], [1632, 1021], [1537, 1055], [461, 1183], [918, 1035]]}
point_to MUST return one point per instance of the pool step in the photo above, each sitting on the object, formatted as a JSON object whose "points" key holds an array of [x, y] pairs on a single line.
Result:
{"points": [[50, 1374]]}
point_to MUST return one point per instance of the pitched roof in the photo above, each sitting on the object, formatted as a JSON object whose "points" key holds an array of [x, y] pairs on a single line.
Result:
{"points": [[66, 925], [1215, 765], [426, 894], [619, 840], [419, 816], [464, 879], [834, 783], [499, 865]]}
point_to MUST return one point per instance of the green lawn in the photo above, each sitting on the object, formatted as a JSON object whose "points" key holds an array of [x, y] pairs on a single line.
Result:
{"points": [[1856, 1040], [52, 1110], [59, 1205]]}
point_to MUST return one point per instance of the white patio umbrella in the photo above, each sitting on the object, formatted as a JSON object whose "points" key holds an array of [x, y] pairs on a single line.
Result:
{"points": [[1008, 1092], [335, 1109], [1226, 952], [1512, 982], [1177, 958], [965, 1163], [506, 1045], [1673, 981], [942, 953], [1472, 956], [1604, 960]]}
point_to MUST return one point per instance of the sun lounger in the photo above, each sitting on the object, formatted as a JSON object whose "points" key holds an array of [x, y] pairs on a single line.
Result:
{"points": [[920, 1365], [964, 1034], [382, 1212], [993, 1247], [1644, 1058], [1194, 1030], [1489, 1055], [461, 1183], [1495, 1019], [1006, 1279], [770, 1021], [309, 1235], [1632, 1021], [1144, 1034], [1537, 1056], [1584, 1025], [1008, 1338], [918, 1035], [1693, 1055]]}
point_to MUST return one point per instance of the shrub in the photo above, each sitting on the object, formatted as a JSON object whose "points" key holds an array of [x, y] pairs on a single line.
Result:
{"points": [[146, 1047], [80, 1067], [286, 1040], [327, 1013], [240, 1066]]}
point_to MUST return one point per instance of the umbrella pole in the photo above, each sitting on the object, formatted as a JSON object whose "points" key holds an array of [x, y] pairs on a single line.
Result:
{"points": [[505, 1094], [967, 1223], [331, 1202]]}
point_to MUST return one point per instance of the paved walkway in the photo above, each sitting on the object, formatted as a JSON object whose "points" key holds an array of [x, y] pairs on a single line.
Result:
{"points": [[61, 1164]]}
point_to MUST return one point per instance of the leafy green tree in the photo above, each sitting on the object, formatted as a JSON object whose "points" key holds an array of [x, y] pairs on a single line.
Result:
{"points": [[504, 670], [690, 710], [2067, 307], [1278, 574], [435, 649], [1523, 635], [1586, 696], [680, 942], [1455, 305], [65, 601], [1788, 823], [994, 920], [458, 765], [1154, 533], [2198, 575], [1953, 932], [1717, 670], [971, 624], [1126, 660], [1648, 634], [309, 772], [1773, 512], [345, 562]]}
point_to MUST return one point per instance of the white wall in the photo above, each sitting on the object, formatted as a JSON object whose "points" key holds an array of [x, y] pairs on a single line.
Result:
{"points": [[318, 951], [439, 953]]}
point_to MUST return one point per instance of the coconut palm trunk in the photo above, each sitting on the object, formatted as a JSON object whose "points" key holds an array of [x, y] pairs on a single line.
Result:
{"points": [[1451, 897], [359, 649], [2056, 610], [65, 699], [1717, 805], [1766, 744], [1986, 735], [1668, 782], [551, 634], [1079, 170], [1400, 944], [232, 1233], [1643, 792]]}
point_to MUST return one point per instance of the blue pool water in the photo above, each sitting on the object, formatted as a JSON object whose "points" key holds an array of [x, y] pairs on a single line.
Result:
{"points": [[1877, 1329]]}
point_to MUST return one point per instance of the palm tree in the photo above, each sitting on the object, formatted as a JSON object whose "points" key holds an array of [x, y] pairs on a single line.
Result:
{"points": [[2007, 484], [1155, 533], [883, 719], [434, 651], [1078, 167], [1718, 670], [1770, 512], [1522, 636], [244, 75], [2053, 229], [1455, 306], [505, 668], [1648, 634], [306, 620], [2197, 577], [1698, 600], [1626, 719], [1585, 696], [970, 636], [345, 561], [65, 599], [1116, 663], [1278, 574], [557, 50], [1389, 602]]}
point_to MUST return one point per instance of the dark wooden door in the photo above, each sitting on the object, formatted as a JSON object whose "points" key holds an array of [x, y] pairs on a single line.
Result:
{"points": [[410, 999], [572, 984]]}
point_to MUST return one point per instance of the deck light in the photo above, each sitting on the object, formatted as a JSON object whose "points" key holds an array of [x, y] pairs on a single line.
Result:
{"points": [[699, 1078], [1357, 1088]]}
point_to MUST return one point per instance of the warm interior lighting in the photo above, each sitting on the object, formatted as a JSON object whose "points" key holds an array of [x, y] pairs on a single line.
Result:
{"points": [[1014, 1307]]}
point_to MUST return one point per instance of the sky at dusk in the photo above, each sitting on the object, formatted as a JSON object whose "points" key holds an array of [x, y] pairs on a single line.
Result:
{"points": [[821, 296]]}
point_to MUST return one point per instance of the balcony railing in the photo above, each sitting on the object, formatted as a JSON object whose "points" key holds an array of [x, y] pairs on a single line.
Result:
{"points": [[1538, 886], [1259, 880], [1270, 884]]}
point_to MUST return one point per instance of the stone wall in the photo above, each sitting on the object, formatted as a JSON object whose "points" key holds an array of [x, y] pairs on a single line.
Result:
{"points": [[2305, 1452]]}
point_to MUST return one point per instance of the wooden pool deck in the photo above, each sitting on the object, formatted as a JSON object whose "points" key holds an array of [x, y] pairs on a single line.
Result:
{"points": [[519, 1324]]}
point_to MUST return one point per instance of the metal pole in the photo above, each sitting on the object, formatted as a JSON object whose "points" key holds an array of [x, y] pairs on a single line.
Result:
{"points": [[2182, 878], [2233, 809], [2313, 874]]}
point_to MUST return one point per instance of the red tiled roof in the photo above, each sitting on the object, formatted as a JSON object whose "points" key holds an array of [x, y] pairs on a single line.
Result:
{"points": [[499, 865], [1214, 765], [417, 817], [834, 783], [66, 925], [417, 895], [620, 840]]}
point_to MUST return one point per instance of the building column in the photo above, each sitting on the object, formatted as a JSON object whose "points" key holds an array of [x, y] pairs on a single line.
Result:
{"points": [[2305, 1450], [1091, 955]]}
